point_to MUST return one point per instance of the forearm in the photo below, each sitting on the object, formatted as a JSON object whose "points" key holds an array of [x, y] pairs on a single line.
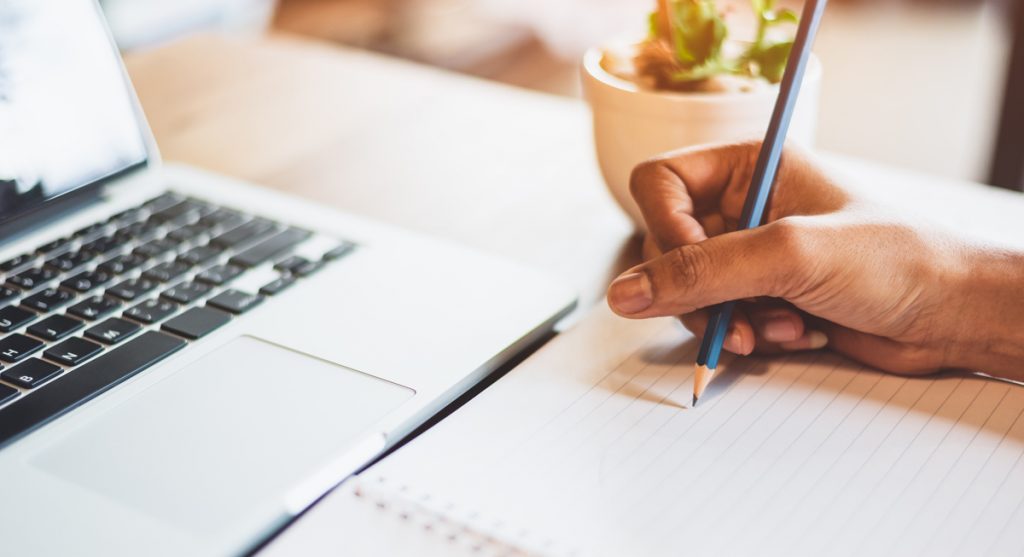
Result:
{"points": [[990, 335]]}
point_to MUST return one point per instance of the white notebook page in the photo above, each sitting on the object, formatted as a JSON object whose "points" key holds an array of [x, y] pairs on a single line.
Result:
{"points": [[590, 448]]}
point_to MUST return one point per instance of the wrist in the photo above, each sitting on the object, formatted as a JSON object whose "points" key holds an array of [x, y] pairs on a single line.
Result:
{"points": [[990, 323]]}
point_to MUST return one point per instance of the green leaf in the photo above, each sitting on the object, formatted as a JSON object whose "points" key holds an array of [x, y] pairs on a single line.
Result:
{"points": [[771, 60], [785, 16], [707, 70], [698, 31], [652, 26]]}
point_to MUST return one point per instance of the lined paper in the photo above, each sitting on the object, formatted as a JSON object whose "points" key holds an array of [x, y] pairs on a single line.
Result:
{"points": [[590, 448]]}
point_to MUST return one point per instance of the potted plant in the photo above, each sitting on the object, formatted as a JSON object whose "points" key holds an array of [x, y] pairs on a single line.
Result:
{"points": [[687, 84]]}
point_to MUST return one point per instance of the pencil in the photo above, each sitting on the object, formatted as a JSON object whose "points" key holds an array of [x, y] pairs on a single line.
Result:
{"points": [[761, 182]]}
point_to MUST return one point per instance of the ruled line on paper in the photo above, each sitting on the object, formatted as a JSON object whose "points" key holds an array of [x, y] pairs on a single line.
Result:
{"points": [[804, 452], [977, 521], [801, 505], [924, 523], [888, 524], [736, 486], [702, 486], [708, 459]]}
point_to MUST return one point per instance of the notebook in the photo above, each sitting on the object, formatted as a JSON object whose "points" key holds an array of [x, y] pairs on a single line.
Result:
{"points": [[591, 448]]}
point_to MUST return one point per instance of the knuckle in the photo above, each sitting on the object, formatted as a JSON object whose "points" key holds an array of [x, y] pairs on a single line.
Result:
{"points": [[745, 153], [793, 237], [687, 268], [795, 244], [643, 176]]}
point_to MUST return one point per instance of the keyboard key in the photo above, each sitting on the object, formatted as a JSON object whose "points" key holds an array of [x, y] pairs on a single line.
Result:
{"points": [[276, 285], [200, 255], [16, 262], [86, 281], [123, 263], [12, 317], [73, 351], [7, 293], [196, 322], [338, 252], [132, 289], [15, 347], [69, 261], [136, 231], [132, 215], [189, 210], [7, 393], [112, 331], [223, 219], [287, 264], [234, 301], [152, 311], [163, 201], [32, 278], [166, 271], [102, 246], [30, 374], [186, 292], [91, 230], [190, 233], [219, 274], [48, 300], [250, 231], [55, 327], [156, 248], [56, 245], [90, 380], [307, 269], [94, 308], [270, 247]]}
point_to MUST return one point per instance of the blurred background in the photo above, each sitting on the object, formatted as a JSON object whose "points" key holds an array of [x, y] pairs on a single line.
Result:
{"points": [[916, 83]]}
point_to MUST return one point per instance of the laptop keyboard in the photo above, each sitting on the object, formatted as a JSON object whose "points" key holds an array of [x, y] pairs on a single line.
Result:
{"points": [[86, 312]]}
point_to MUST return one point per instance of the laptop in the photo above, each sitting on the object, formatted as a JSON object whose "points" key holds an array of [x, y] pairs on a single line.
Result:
{"points": [[188, 360]]}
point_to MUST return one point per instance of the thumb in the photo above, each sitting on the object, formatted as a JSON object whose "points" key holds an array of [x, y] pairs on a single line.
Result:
{"points": [[733, 266]]}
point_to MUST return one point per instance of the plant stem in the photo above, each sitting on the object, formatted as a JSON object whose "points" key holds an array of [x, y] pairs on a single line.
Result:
{"points": [[664, 21]]}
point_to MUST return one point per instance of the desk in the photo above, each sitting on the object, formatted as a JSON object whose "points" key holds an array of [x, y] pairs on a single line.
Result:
{"points": [[502, 170]]}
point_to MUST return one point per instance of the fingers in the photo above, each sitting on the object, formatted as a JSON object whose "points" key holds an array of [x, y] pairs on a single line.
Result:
{"points": [[777, 324], [740, 339], [649, 250], [689, 195], [666, 190], [765, 327], [746, 264]]}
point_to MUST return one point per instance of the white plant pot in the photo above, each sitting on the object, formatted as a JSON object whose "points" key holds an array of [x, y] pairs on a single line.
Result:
{"points": [[633, 124]]}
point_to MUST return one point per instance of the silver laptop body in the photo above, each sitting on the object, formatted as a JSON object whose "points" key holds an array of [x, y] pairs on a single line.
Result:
{"points": [[189, 360]]}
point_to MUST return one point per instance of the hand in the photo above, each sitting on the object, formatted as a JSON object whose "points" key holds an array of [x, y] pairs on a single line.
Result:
{"points": [[826, 269]]}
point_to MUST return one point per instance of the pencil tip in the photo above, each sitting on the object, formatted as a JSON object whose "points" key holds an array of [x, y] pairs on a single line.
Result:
{"points": [[694, 400]]}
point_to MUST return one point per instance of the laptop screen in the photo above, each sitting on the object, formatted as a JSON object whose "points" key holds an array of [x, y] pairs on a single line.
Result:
{"points": [[67, 114]]}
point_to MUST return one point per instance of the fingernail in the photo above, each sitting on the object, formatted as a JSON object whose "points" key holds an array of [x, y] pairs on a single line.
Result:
{"points": [[812, 340], [735, 343], [780, 329], [816, 340], [631, 293]]}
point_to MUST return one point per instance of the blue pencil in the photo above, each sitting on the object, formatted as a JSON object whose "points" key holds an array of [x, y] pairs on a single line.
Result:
{"points": [[761, 182]]}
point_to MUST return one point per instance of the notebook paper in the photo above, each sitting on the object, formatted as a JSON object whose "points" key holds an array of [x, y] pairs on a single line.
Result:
{"points": [[590, 448]]}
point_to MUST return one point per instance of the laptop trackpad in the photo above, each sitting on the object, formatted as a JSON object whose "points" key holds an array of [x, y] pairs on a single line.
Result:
{"points": [[225, 437]]}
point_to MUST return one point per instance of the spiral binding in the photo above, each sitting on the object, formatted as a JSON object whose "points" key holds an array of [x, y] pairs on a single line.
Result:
{"points": [[463, 530]]}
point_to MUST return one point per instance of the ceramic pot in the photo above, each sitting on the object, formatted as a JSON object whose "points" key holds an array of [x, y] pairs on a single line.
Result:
{"points": [[633, 124]]}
